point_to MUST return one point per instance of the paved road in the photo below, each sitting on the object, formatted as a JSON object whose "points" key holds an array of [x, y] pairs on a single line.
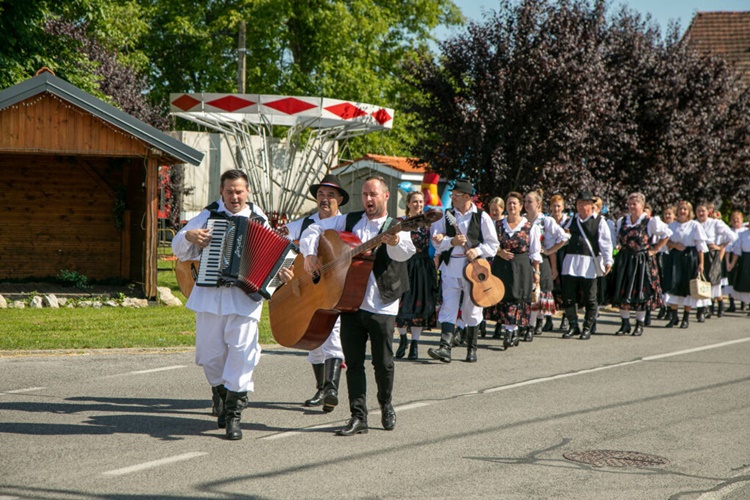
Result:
{"points": [[136, 425]]}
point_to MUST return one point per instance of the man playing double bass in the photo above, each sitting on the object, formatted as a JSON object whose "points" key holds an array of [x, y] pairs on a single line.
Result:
{"points": [[326, 360], [376, 316]]}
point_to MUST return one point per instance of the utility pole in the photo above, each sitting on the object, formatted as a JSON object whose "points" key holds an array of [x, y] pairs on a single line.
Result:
{"points": [[241, 52]]}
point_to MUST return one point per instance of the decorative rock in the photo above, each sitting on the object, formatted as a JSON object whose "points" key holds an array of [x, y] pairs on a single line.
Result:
{"points": [[111, 303], [51, 301], [3, 303], [96, 305], [165, 297], [133, 302], [17, 304], [63, 301], [36, 302], [69, 305], [85, 303]]}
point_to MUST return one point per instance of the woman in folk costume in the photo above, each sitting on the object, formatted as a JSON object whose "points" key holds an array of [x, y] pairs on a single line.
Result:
{"points": [[740, 264], [553, 238], [417, 308], [557, 212], [736, 223], [636, 277], [687, 245], [718, 235], [517, 264], [496, 209], [667, 216]]}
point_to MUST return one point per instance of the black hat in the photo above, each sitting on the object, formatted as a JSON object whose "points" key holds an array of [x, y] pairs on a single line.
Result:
{"points": [[585, 195], [464, 186], [330, 180]]}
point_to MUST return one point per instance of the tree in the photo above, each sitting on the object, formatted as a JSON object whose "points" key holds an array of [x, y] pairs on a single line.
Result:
{"points": [[559, 96]]}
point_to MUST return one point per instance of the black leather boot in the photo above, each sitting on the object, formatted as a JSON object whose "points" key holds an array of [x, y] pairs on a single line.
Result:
{"points": [[471, 344], [331, 387], [624, 327], [647, 320], [402, 343], [217, 401], [353, 426], [538, 327], [638, 331], [443, 353], [701, 315], [662, 313], [498, 331], [573, 330], [720, 309], [483, 328], [564, 324], [234, 404], [528, 334], [510, 338], [685, 319], [732, 308], [460, 337], [317, 399], [548, 326], [414, 349], [710, 310], [672, 317], [221, 420]]}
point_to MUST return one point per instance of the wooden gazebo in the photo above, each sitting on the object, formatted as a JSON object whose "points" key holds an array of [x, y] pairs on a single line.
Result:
{"points": [[78, 185]]}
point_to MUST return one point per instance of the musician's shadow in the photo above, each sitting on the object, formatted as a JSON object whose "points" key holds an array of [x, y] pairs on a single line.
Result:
{"points": [[294, 406]]}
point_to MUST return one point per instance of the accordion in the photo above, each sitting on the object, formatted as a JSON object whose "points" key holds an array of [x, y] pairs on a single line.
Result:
{"points": [[244, 253]]}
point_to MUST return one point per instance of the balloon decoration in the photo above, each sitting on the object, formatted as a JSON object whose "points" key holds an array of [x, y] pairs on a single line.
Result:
{"points": [[430, 190], [406, 187], [447, 195]]}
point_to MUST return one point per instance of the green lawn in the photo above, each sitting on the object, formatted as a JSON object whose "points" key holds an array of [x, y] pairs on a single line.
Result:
{"points": [[106, 328]]}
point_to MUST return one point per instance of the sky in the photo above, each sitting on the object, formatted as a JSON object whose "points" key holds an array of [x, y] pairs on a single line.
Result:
{"points": [[662, 11]]}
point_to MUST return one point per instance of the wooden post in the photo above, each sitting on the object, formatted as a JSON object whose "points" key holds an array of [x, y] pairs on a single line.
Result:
{"points": [[150, 258], [241, 51]]}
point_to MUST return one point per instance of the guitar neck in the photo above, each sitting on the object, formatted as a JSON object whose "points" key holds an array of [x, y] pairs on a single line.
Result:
{"points": [[377, 240]]}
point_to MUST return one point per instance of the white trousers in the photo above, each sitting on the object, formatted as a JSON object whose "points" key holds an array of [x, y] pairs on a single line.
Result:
{"points": [[227, 348], [470, 313], [330, 349]]}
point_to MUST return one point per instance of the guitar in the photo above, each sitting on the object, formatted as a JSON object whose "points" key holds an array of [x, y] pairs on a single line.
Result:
{"points": [[186, 271], [486, 288], [303, 311]]}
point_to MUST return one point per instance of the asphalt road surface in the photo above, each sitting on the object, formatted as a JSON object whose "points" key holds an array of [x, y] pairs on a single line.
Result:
{"points": [[668, 413]]}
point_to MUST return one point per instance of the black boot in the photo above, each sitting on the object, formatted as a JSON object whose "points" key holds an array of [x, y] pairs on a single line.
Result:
{"points": [[483, 328], [528, 333], [498, 331], [624, 327], [317, 399], [672, 317], [402, 343], [471, 344], [443, 353], [510, 339], [647, 320], [710, 310], [700, 315], [564, 324], [331, 387], [538, 328], [638, 331], [732, 308], [221, 420], [460, 337], [217, 401], [685, 319], [720, 309], [662, 313], [548, 326], [414, 349], [573, 330], [234, 404]]}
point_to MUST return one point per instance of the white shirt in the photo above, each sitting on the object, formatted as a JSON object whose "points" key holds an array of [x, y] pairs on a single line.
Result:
{"points": [[717, 231], [535, 237], [582, 266], [216, 300], [457, 262], [730, 247], [295, 227], [551, 231], [690, 234], [365, 229], [742, 244]]}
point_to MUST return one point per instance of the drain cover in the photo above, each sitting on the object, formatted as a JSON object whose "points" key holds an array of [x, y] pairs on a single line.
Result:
{"points": [[612, 458]]}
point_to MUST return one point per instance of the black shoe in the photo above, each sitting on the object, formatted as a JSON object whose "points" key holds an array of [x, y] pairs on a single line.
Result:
{"points": [[710, 310], [414, 350], [573, 331], [460, 337], [498, 332], [401, 351], [221, 420], [732, 307], [624, 327], [528, 334], [638, 331], [388, 417], [564, 324], [471, 344], [700, 315], [234, 403], [331, 388], [685, 319], [662, 313], [586, 333], [353, 426], [443, 353], [672, 316], [548, 326], [720, 311], [217, 401], [647, 320], [483, 328], [319, 371], [593, 328]]}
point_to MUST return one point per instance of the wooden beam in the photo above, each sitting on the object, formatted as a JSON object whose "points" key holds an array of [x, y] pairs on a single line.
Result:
{"points": [[150, 262]]}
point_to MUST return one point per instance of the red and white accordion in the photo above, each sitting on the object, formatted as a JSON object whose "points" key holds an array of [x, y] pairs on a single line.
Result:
{"points": [[245, 253]]}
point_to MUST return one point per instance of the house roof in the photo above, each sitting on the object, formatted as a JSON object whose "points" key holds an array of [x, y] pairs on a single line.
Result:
{"points": [[47, 82], [726, 34], [400, 163]]}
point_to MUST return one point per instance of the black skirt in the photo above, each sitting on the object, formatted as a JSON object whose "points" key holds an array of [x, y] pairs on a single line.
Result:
{"points": [[417, 306], [742, 276], [712, 266], [632, 278], [680, 267], [516, 276], [546, 284]]}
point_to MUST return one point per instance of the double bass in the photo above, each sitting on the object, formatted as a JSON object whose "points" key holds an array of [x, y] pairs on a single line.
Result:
{"points": [[303, 311]]}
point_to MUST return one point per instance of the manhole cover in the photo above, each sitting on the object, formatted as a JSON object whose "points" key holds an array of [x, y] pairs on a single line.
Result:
{"points": [[612, 458]]}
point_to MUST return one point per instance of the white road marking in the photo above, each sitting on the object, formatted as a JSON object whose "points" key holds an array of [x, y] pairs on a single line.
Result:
{"points": [[420, 404], [153, 464], [28, 389], [153, 370]]}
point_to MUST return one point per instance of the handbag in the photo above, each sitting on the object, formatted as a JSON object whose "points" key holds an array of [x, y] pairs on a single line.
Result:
{"points": [[700, 288], [601, 269]]}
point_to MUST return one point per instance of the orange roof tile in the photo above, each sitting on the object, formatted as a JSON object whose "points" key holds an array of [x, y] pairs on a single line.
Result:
{"points": [[400, 163], [726, 34]]}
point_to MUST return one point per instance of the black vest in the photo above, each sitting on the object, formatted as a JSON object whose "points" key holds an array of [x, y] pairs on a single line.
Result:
{"points": [[215, 214], [391, 276], [577, 245], [473, 234]]}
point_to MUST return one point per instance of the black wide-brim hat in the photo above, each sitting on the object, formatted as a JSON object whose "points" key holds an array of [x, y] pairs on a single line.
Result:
{"points": [[464, 186], [330, 180], [585, 195]]}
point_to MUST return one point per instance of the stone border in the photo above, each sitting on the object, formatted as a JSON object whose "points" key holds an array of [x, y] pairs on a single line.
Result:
{"points": [[51, 301]]}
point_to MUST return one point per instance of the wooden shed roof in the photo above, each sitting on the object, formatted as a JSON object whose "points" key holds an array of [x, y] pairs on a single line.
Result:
{"points": [[46, 82], [726, 34]]}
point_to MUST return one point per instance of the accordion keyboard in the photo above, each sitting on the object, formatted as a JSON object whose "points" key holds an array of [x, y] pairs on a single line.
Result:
{"points": [[210, 264]]}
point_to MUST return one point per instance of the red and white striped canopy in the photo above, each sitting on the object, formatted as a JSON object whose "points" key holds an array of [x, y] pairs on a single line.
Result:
{"points": [[313, 112]]}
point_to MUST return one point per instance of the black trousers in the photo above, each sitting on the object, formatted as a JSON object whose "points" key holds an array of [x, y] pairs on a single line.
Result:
{"points": [[571, 287], [356, 328]]}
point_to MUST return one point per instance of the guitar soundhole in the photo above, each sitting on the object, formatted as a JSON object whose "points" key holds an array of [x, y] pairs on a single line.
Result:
{"points": [[481, 276], [316, 278]]}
